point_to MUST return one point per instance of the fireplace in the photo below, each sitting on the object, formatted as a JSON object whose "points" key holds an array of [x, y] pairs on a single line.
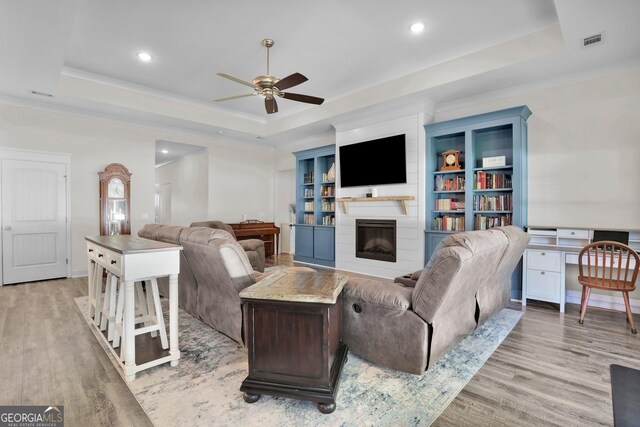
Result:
{"points": [[376, 239]]}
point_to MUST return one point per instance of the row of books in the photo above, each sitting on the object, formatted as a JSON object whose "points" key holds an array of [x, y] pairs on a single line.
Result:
{"points": [[449, 184], [449, 205], [484, 180], [309, 219], [308, 178], [325, 178], [328, 220], [503, 202], [309, 206], [448, 223], [308, 192], [327, 190], [328, 206], [483, 222]]}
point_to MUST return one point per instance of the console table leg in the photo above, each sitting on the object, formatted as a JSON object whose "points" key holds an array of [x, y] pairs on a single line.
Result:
{"points": [[173, 319], [129, 337]]}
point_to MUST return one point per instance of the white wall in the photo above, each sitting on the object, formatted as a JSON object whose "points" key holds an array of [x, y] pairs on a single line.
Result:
{"points": [[410, 227], [584, 153], [241, 177], [189, 181]]}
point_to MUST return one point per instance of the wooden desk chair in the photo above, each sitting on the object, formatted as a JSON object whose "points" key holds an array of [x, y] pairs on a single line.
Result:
{"points": [[602, 259]]}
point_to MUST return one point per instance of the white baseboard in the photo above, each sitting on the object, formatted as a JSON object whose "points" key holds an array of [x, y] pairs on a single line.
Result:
{"points": [[603, 301], [79, 273]]}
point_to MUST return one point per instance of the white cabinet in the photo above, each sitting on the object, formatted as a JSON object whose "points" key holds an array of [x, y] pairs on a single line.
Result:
{"points": [[543, 277]]}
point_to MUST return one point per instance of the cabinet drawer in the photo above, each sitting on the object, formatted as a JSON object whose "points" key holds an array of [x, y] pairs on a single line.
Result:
{"points": [[92, 252], [543, 260], [568, 233], [544, 285], [114, 263]]}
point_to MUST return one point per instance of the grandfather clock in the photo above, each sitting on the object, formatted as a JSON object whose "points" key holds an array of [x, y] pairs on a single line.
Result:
{"points": [[115, 217]]}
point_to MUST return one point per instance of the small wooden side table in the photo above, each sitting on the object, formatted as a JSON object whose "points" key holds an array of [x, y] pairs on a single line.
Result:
{"points": [[293, 324]]}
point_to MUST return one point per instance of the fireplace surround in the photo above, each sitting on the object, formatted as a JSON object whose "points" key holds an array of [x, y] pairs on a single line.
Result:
{"points": [[376, 239]]}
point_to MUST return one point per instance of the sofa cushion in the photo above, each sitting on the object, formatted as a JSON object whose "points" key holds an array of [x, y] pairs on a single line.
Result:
{"points": [[389, 296], [235, 260]]}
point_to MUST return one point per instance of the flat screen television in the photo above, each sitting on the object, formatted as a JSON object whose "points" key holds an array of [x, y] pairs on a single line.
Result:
{"points": [[376, 162]]}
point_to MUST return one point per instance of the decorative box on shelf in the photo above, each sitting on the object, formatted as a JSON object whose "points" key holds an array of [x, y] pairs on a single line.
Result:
{"points": [[491, 162]]}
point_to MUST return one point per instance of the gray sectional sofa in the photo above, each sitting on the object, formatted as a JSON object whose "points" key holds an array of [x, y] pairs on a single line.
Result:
{"points": [[409, 328], [254, 248], [214, 268]]}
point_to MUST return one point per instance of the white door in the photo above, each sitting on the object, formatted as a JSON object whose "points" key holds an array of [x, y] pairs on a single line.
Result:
{"points": [[34, 229]]}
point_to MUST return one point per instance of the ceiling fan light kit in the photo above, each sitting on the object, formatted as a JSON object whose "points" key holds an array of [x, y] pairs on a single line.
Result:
{"points": [[271, 87]]}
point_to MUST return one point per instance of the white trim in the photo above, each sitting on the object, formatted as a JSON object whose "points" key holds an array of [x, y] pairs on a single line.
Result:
{"points": [[47, 157], [604, 301], [167, 96], [79, 273]]}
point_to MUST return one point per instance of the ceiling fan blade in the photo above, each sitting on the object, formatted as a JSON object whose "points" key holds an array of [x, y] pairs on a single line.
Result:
{"points": [[271, 105], [229, 98], [235, 79], [290, 81], [303, 98]]}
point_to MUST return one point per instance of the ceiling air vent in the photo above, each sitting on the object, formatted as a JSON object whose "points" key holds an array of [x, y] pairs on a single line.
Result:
{"points": [[48, 95], [593, 40]]}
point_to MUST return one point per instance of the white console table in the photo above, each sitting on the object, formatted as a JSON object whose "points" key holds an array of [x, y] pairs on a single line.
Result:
{"points": [[545, 259], [133, 259]]}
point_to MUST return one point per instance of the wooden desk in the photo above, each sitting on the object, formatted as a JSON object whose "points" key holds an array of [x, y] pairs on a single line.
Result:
{"points": [[265, 231], [545, 259], [294, 337], [133, 259]]}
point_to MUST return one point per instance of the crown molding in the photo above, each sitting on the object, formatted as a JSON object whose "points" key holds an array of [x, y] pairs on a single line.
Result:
{"points": [[564, 79], [145, 90], [123, 120]]}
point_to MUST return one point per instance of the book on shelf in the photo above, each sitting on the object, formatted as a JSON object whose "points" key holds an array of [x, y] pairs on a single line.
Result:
{"points": [[503, 202], [483, 222], [309, 206], [308, 192], [309, 219], [328, 220], [442, 183], [486, 181], [327, 206], [449, 205], [308, 178], [448, 223], [327, 190]]}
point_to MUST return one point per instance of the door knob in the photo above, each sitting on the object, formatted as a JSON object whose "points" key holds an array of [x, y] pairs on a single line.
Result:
{"points": [[7, 227]]}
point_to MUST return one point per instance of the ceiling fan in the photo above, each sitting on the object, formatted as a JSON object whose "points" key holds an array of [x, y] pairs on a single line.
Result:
{"points": [[270, 87]]}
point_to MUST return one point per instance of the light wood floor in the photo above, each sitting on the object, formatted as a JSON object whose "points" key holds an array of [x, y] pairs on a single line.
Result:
{"points": [[549, 371]]}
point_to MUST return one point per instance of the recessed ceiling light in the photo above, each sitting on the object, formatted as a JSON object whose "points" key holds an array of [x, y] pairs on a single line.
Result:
{"points": [[164, 151], [220, 132], [417, 27], [144, 57]]}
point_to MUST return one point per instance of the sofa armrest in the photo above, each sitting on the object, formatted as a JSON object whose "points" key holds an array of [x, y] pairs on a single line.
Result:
{"points": [[377, 293], [251, 244]]}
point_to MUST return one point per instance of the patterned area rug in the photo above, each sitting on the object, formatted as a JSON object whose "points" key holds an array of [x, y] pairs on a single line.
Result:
{"points": [[204, 389]]}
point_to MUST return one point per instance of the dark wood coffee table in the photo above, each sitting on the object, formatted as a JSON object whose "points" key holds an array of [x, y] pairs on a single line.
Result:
{"points": [[293, 327]]}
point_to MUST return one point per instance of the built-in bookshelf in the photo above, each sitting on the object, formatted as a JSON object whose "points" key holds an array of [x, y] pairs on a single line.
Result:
{"points": [[315, 205], [479, 195]]}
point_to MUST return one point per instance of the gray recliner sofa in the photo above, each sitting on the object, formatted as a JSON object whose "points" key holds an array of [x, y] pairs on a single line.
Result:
{"points": [[253, 247], [409, 328], [214, 268]]}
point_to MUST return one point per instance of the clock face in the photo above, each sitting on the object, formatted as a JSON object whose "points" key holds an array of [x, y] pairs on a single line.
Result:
{"points": [[450, 160]]}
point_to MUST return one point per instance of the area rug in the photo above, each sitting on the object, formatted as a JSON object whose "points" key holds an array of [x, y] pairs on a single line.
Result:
{"points": [[204, 389]]}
